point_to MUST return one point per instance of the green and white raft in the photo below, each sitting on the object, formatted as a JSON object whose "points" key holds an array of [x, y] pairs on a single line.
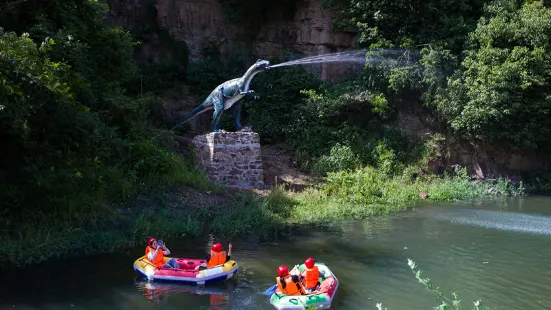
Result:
{"points": [[320, 298]]}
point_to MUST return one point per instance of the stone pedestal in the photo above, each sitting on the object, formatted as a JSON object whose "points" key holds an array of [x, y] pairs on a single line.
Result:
{"points": [[232, 159]]}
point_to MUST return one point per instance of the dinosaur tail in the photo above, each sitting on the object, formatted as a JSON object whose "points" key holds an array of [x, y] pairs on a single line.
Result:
{"points": [[198, 110]]}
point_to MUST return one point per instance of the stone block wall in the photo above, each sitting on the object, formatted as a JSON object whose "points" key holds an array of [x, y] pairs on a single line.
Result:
{"points": [[232, 159]]}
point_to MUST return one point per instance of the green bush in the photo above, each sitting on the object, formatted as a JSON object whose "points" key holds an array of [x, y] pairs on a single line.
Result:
{"points": [[340, 158], [157, 78], [345, 127]]}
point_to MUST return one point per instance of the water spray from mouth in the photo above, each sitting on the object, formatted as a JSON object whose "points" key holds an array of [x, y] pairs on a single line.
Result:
{"points": [[357, 56]]}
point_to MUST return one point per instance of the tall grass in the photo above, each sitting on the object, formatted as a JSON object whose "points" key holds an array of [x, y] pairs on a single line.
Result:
{"points": [[368, 191]]}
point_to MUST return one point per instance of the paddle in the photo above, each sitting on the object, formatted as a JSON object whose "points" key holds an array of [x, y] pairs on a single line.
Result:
{"points": [[273, 288], [270, 290]]}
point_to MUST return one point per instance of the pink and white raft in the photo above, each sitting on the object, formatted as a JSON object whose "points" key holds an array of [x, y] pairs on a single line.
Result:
{"points": [[186, 273]]}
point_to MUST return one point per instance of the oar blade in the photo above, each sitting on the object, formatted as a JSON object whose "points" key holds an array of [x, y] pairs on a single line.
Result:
{"points": [[270, 290]]}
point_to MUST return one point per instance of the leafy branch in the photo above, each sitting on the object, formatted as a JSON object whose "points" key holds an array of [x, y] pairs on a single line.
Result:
{"points": [[447, 303]]}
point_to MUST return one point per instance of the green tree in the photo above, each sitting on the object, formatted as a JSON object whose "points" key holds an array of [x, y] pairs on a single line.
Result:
{"points": [[502, 92]]}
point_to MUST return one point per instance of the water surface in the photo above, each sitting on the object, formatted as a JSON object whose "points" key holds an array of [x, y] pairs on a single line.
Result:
{"points": [[494, 250]]}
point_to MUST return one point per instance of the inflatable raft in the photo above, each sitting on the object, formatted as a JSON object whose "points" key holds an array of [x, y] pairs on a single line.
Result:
{"points": [[320, 299], [186, 273]]}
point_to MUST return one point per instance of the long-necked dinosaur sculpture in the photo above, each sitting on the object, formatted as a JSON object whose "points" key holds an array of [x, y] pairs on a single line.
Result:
{"points": [[227, 94]]}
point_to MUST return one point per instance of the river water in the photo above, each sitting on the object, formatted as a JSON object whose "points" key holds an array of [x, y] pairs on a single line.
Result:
{"points": [[497, 251]]}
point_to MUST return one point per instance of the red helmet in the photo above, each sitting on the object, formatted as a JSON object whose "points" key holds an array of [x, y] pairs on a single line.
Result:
{"points": [[217, 247], [150, 242], [282, 271], [309, 262]]}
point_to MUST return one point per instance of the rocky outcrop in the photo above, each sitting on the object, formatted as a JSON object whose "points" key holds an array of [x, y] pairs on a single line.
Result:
{"points": [[492, 160], [203, 26], [488, 161], [310, 32], [482, 161]]}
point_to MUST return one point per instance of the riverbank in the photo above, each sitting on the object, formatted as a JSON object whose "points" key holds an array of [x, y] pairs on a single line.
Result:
{"points": [[182, 210]]}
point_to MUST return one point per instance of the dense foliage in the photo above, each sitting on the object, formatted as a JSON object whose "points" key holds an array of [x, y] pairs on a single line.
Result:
{"points": [[72, 138], [484, 64]]}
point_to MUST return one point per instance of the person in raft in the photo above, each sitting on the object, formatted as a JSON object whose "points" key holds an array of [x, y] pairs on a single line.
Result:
{"points": [[288, 284], [310, 275], [155, 253], [217, 256]]}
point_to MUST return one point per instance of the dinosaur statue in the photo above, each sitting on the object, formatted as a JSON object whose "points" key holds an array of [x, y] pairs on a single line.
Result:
{"points": [[225, 95]]}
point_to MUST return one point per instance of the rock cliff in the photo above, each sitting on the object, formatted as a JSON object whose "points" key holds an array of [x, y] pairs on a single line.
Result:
{"points": [[301, 26]]}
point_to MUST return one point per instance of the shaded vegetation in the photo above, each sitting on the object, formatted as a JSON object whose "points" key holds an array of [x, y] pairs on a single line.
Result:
{"points": [[75, 141]]}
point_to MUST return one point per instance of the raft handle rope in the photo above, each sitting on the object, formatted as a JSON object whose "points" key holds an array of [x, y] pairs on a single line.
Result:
{"points": [[294, 300], [297, 301]]}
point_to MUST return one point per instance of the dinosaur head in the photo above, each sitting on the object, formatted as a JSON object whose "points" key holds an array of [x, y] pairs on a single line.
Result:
{"points": [[259, 66], [262, 65]]}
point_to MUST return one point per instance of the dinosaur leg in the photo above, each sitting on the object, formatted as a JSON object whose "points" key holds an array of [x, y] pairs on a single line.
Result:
{"points": [[218, 109], [237, 115]]}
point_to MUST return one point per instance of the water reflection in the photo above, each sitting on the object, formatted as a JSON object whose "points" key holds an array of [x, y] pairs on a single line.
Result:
{"points": [[160, 291]]}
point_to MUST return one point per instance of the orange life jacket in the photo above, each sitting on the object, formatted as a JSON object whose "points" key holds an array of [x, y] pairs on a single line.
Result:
{"points": [[159, 260], [216, 258], [311, 277], [291, 288]]}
